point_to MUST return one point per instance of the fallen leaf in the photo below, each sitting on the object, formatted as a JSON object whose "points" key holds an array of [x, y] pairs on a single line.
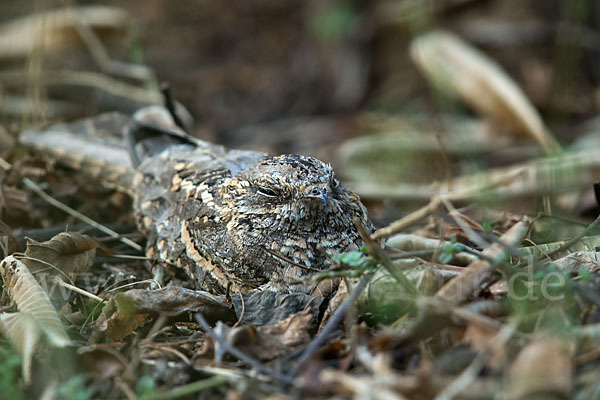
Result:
{"points": [[460, 70], [70, 252], [36, 317], [126, 311], [102, 363], [263, 343]]}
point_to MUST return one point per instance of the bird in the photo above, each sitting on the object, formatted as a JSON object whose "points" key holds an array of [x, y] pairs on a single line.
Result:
{"points": [[233, 220]]}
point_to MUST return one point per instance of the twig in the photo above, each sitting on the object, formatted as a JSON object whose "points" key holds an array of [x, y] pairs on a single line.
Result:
{"points": [[100, 55], [380, 257], [569, 243], [411, 242], [325, 333], [471, 234], [241, 356], [408, 220], [38, 190], [472, 371], [462, 286], [78, 290], [4, 164], [135, 283]]}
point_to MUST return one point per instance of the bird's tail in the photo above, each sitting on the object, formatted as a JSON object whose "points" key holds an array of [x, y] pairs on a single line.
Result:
{"points": [[108, 148]]}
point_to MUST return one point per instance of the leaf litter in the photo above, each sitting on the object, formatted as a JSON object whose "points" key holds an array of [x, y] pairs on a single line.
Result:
{"points": [[487, 286]]}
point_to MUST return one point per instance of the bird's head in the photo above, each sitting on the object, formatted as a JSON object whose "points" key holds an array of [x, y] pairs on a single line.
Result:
{"points": [[293, 191]]}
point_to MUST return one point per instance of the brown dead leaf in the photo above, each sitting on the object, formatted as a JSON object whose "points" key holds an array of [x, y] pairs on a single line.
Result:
{"points": [[461, 70], [256, 343], [265, 342], [102, 363], [292, 331], [70, 252], [334, 303], [125, 312]]}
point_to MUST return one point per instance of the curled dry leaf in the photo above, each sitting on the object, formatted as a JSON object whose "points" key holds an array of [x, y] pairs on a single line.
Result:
{"points": [[70, 252], [57, 29], [35, 317], [125, 312], [460, 70]]}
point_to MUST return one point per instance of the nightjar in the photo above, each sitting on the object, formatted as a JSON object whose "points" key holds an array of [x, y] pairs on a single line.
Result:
{"points": [[234, 220]]}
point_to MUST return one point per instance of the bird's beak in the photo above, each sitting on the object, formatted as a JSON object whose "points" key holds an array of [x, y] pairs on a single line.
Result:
{"points": [[319, 194]]}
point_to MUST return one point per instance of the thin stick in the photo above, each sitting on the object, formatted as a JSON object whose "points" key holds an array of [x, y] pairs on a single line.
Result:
{"points": [[4, 164], [38, 190], [325, 333], [375, 250], [78, 290], [238, 354], [471, 234], [135, 283], [470, 373], [408, 220], [569, 243], [464, 285]]}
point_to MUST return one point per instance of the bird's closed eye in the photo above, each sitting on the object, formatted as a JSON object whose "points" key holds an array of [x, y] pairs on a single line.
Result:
{"points": [[266, 191]]}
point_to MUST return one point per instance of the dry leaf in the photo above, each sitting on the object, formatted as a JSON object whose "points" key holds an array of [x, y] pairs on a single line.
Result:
{"points": [[102, 363], [292, 331], [70, 252], [23, 332], [125, 312], [35, 316], [460, 70], [263, 343]]}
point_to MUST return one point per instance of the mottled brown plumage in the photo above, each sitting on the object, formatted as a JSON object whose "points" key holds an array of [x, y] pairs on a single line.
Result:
{"points": [[241, 220], [233, 219]]}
